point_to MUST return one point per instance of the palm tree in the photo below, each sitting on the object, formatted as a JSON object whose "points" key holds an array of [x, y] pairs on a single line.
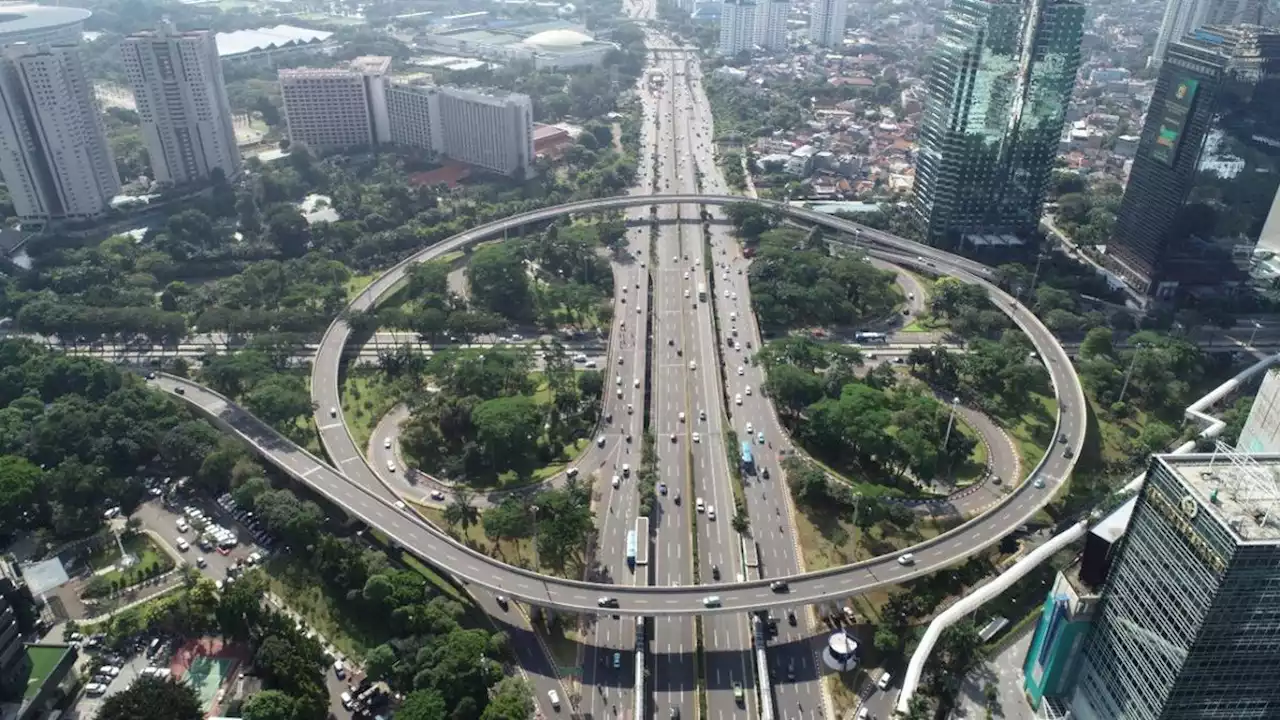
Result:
{"points": [[461, 511]]}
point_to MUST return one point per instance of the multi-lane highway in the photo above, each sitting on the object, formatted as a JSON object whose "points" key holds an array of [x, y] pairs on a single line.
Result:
{"points": [[437, 548], [794, 664]]}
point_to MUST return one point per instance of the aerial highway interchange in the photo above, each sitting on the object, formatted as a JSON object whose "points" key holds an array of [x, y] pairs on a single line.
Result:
{"points": [[683, 307]]}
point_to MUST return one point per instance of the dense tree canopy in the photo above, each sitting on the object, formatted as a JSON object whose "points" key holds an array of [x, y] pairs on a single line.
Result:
{"points": [[152, 698]]}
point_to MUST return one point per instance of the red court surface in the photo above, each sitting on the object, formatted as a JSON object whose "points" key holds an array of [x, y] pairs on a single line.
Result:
{"points": [[208, 665]]}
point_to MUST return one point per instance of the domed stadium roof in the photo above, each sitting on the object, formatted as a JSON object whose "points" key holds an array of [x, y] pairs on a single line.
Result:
{"points": [[558, 39]]}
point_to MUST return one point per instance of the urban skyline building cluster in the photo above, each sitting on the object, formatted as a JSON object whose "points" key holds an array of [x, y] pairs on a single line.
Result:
{"points": [[54, 154], [359, 105], [748, 24]]}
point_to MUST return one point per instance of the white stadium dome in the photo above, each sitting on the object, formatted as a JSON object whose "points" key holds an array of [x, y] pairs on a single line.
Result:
{"points": [[558, 39]]}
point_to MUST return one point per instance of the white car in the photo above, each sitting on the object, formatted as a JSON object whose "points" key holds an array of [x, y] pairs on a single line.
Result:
{"points": [[681, 417], [686, 277], [686, 293], [183, 545], [748, 389], [386, 443], [693, 365], [741, 370], [711, 513], [883, 682], [697, 438], [391, 466], [183, 525], [702, 507], [636, 383], [616, 481], [555, 698], [737, 399], [750, 429]]}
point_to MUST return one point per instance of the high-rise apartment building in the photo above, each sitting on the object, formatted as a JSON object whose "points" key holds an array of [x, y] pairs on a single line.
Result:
{"points": [[998, 86], [182, 102], [1207, 163], [771, 24], [826, 22], [332, 108], [339, 108], [1188, 624], [1185, 16], [737, 26], [53, 148]]}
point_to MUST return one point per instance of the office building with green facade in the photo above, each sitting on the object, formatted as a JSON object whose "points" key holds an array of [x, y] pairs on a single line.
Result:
{"points": [[998, 86]]}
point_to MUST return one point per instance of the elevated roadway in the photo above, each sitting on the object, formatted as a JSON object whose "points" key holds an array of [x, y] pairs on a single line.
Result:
{"points": [[351, 484]]}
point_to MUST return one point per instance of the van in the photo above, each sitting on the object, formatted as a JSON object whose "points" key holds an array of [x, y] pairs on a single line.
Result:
{"points": [[883, 682]]}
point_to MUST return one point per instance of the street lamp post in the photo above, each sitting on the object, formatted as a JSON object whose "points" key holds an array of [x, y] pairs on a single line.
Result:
{"points": [[1129, 373], [951, 420], [1256, 327], [534, 508]]}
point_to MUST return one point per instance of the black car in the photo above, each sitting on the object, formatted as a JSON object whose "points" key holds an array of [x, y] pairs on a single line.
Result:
{"points": [[791, 617], [715, 572], [180, 391], [779, 586], [609, 602]]}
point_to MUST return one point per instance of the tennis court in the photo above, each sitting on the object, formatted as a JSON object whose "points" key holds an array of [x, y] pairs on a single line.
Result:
{"points": [[206, 664]]}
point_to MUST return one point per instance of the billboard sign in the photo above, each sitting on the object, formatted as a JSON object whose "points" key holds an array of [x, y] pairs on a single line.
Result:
{"points": [[1173, 120]]}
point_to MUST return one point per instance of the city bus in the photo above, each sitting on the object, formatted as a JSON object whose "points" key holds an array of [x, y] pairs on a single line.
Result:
{"points": [[642, 540], [631, 548], [702, 292], [870, 337], [748, 464]]}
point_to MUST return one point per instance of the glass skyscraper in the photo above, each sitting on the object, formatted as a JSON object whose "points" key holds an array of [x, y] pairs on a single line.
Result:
{"points": [[1188, 626], [1207, 163], [998, 87]]}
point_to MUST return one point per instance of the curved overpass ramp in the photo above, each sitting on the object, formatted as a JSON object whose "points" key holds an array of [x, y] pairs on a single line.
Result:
{"points": [[354, 487]]}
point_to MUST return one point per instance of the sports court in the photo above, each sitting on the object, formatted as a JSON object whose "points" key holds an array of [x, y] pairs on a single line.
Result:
{"points": [[207, 664]]}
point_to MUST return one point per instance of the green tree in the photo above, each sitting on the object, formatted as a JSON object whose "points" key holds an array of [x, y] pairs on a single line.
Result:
{"points": [[20, 482], [422, 705], [461, 511], [498, 281], [507, 428], [511, 699], [150, 698], [380, 663], [1097, 343], [270, 705]]}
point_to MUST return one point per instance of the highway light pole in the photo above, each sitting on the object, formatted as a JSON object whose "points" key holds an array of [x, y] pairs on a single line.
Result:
{"points": [[951, 420], [534, 508], [1137, 350], [1256, 327]]}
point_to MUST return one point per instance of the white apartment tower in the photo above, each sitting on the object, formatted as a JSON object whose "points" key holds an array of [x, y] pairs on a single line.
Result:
{"points": [[738, 26], [826, 22], [54, 155], [330, 108], [771, 24], [182, 101], [492, 131], [359, 105]]}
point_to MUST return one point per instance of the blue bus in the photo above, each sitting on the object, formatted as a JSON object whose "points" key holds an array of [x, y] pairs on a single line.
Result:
{"points": [[631, 548], [748, 465], [872, 337]]}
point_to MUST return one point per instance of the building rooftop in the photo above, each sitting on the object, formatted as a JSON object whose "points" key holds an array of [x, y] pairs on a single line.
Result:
{"points": [[22, 18], [1242, 491], [372, 64], [244, 41], [1111, 527]]}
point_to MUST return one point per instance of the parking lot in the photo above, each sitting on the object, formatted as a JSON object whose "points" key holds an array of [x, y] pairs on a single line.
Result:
{"points": [[163, 520]]}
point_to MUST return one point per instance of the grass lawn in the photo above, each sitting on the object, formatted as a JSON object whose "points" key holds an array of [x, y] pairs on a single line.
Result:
{"points": [[971, 471], [142, 548], [514, 552], [570, 453], [306, 594], [356, 283], [1032, 432], [43, 661], [926, 323], [366, 397]]}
